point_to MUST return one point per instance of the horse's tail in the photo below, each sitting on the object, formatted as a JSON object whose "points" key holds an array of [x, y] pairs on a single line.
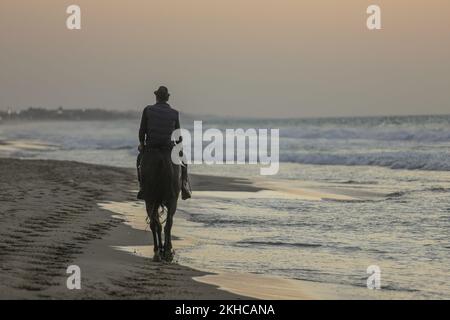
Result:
{"points": [[162, 210]]}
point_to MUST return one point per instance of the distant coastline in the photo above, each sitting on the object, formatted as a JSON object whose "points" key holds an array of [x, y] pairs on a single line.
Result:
{"points": [[43, 114]]}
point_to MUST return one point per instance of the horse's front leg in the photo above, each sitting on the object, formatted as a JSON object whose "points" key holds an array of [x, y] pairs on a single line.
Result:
{"points": [[155, 227], [158, 228], [168, 254]]}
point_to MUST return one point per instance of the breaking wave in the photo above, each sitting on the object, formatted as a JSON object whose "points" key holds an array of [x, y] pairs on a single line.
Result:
{"points": [[377, 134], [394, 160]]}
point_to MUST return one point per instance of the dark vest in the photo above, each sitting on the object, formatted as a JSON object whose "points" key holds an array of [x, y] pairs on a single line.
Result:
{"points": [[160, 122]]}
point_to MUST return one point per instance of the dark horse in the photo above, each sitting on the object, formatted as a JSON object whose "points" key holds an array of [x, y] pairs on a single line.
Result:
{"points": [[168, 203]]}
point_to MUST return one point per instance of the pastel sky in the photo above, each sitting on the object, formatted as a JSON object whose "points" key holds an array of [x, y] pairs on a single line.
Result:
{"points": [[261, 58]]}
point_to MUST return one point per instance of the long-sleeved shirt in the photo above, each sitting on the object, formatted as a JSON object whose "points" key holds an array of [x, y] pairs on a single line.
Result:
{"points": [[157, 125]]}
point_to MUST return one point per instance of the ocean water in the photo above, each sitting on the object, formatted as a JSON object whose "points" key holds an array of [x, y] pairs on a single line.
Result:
{"points": [[397, 168]]}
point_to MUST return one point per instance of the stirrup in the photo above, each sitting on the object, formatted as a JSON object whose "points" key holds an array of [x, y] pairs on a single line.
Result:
{"points": [[157, 257]]}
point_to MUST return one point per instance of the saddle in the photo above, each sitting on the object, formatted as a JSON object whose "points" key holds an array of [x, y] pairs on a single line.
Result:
{"points": [[186, 189]]}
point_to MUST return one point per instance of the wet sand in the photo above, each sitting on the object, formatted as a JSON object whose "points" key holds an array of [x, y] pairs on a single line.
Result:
{"points": [[257, 286]]}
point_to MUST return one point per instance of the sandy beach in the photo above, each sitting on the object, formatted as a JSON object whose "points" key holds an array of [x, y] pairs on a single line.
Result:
{"points": [[55, 214], [49, 219]]}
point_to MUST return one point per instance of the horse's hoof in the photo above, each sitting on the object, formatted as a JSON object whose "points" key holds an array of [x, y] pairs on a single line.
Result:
{"points": [[156, 257], [168, 255]]}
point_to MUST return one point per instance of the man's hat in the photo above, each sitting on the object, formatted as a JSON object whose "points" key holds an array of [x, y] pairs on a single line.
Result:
{"points": [[162, 92]]}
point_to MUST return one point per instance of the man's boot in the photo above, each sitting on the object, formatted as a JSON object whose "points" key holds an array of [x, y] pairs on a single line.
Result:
{"points": [[140, 195], [186, 191]]}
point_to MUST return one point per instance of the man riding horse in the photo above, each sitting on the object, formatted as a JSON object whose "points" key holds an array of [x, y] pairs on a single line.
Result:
{"points": [[161, 180]]}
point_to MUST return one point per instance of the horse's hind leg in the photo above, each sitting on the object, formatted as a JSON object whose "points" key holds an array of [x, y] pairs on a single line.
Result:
{"points": [[171, 208]]}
